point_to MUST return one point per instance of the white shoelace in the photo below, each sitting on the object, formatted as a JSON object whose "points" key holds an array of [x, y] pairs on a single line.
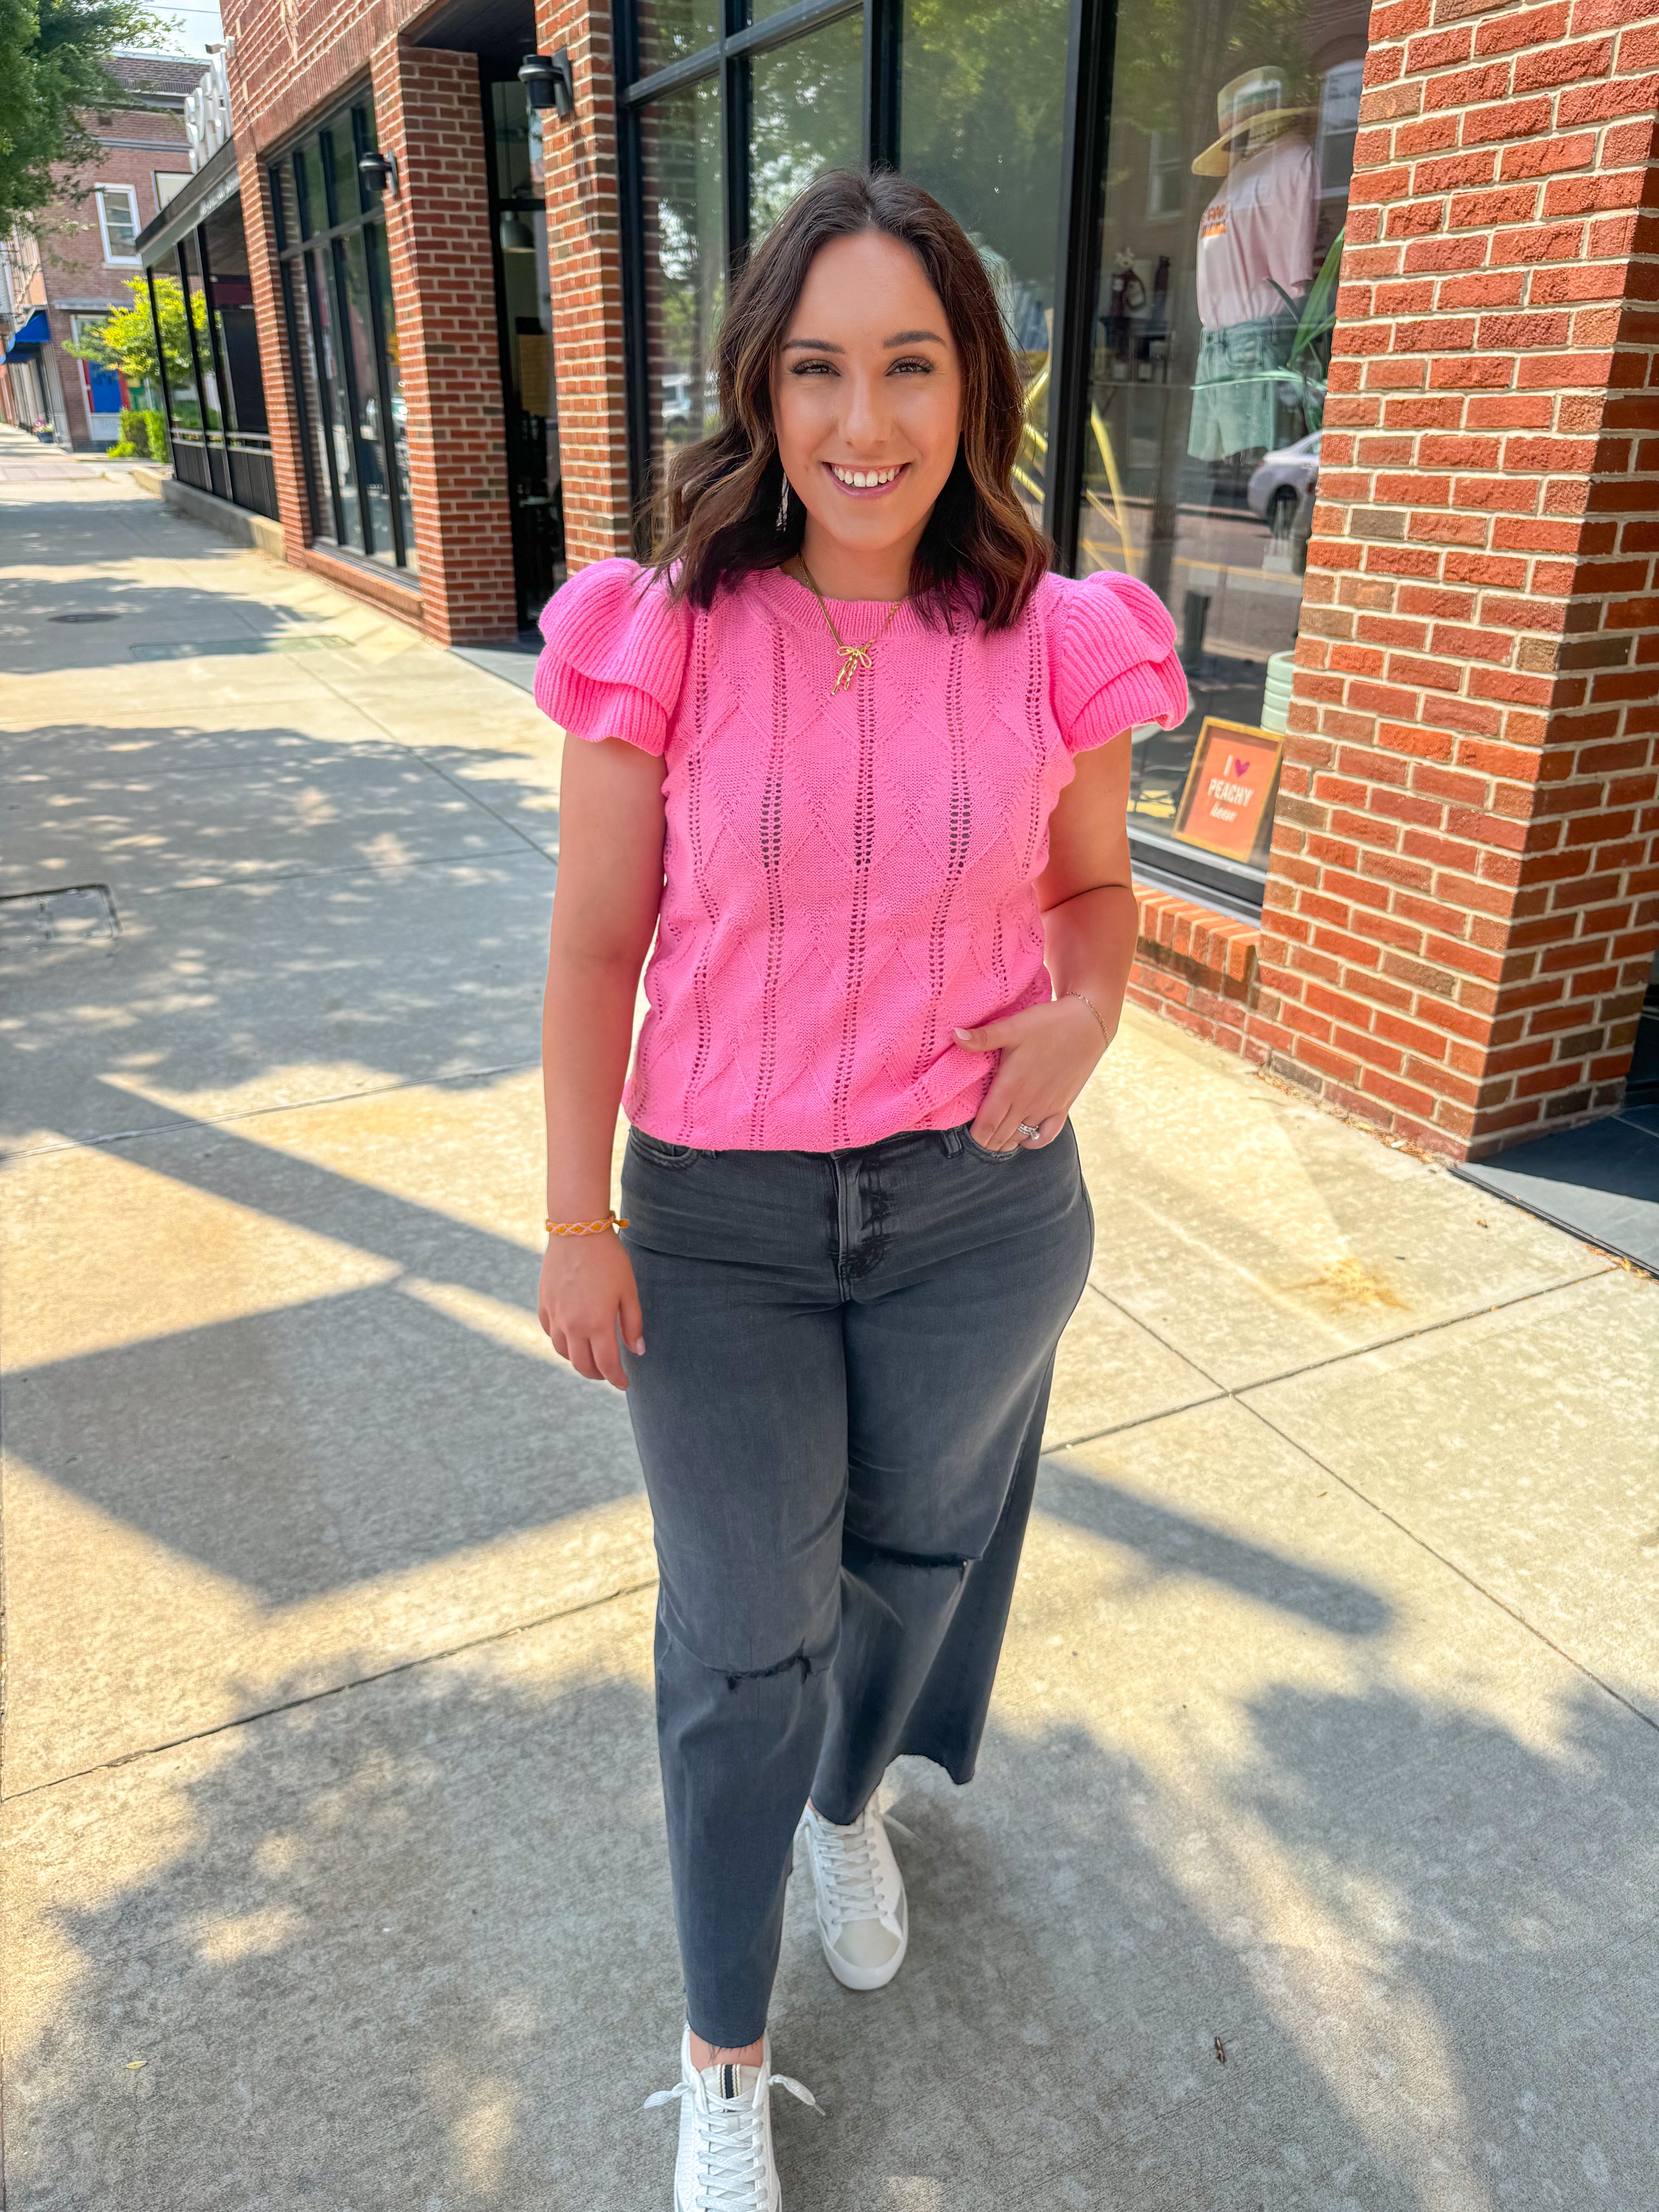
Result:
{"points": [[850, 1871], [731, 2145]]}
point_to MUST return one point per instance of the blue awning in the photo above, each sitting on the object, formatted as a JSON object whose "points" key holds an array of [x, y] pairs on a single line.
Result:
{"points": [[37, 331]]}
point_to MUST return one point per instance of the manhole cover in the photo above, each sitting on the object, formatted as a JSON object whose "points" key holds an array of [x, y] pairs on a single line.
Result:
{"points": [[80, 914], [84, 615]]}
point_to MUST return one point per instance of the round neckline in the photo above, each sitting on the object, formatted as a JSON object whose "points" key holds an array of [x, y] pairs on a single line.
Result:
{"points": [[809, 602]]}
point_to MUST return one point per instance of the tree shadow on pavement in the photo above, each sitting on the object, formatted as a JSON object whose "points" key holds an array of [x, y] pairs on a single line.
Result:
{"points": [[413, 1947]]}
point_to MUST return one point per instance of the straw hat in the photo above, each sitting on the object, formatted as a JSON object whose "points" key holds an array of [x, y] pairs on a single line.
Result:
{"points": [[1252, 104]]}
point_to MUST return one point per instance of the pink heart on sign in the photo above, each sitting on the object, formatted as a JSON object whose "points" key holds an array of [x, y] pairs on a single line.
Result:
{"points": [[1238, 764]]}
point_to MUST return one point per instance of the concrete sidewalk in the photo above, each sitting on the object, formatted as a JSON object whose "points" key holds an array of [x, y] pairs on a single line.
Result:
{"points": [[1313, 1861]]}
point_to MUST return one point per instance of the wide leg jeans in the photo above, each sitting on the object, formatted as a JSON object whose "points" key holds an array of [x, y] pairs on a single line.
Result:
{"points": [[838, 1411]]}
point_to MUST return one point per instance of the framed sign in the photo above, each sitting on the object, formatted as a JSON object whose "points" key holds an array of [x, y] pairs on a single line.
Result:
{"points": [[1226, 806]]}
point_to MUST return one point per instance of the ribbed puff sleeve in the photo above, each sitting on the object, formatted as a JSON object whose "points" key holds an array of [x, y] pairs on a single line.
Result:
{"points": [[615, 656], [1113, 660]]}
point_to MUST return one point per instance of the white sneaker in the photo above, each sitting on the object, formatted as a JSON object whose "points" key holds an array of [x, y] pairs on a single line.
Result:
{"points": [[726, 2162], [863, 1923]]}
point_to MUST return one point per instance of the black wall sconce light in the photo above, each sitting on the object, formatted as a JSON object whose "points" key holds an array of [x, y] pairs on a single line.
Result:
{"points": [[548, 81], [379, 171]]}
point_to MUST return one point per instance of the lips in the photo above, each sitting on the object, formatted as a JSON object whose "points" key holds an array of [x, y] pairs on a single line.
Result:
{"points": [[867, 480]]}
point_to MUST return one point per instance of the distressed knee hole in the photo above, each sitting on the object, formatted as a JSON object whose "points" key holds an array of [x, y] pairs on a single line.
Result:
{"points": [[801, 1659]]}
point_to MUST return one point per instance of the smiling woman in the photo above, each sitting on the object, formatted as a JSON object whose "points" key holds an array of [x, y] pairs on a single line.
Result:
{"points": [[867, 338], [849, 762]]}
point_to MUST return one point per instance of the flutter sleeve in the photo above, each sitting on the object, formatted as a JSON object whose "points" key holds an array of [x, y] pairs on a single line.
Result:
{"points": [[615, 654], [1113, 661]]}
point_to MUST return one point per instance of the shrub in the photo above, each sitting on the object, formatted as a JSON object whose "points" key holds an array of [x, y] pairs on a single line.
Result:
{"points": [[155, 430], [134, 440]]}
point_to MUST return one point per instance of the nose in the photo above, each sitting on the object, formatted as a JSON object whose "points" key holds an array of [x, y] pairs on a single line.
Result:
{"points": [[865, 424]]}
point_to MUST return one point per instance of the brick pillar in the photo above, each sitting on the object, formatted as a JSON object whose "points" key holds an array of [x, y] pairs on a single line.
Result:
{"points": [[275, 365], [1462, 910], [428, 113], [584, 241]]}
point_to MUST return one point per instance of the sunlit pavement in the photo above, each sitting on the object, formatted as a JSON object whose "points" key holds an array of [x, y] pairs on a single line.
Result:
{"points": [[1312, 1858]]}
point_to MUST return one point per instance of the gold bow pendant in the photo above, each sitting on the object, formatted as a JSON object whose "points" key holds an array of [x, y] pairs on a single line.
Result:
{"points": [[853, 659]]}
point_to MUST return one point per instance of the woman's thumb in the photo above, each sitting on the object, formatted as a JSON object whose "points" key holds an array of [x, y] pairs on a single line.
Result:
{"points": [[987, 1039]]}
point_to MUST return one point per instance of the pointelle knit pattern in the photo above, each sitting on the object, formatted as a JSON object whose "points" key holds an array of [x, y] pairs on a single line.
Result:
{"points": [[847, 876]]}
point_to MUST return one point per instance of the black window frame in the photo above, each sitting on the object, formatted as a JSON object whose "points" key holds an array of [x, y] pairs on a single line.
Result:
{"points": [[1091, 37], [326, 241], [1091, 25]]}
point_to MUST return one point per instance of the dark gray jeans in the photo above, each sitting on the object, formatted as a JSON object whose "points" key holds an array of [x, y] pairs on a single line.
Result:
{"points": [[839, 1410]]}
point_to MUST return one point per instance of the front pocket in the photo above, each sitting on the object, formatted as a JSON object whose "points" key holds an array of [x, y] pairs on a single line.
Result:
{"points": [[659, 1152], [984, 1151]]}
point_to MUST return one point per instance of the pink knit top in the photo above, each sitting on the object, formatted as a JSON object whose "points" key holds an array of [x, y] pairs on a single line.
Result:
{"points": [[847, 877]]}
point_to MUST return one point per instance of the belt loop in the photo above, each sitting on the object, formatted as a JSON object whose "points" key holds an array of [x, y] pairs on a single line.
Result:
{"points": [[951, 1140]]}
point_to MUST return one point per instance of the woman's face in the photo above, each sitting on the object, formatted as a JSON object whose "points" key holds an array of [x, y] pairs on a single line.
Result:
{"points": [[866, 395]]}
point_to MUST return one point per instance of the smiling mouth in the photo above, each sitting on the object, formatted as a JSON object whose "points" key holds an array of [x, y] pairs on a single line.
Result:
{"points": [[867, 480]]}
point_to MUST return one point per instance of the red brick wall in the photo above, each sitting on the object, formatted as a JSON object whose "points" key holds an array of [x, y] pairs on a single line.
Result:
{"points": [[584, 254], [1462, 910], [429, 111], [74, 276]]}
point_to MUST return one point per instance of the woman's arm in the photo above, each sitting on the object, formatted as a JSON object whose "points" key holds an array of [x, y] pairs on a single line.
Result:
{"points": [[1090, 918], [604, 913], [1089, 912]]}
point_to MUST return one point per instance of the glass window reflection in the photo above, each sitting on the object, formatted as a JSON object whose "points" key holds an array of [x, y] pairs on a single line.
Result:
{"points": [[669, 30], [807, 117], [982, 116], [1229, 156], [343, 324], [684, 263]]}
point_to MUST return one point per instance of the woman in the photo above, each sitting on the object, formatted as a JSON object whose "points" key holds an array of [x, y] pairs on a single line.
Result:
{"points": [[844, 753]]}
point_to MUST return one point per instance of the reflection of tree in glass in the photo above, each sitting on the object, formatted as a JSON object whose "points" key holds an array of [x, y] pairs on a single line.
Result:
{"points": [[671, 29], [807, 118], [1174, 56], [981, 124], [685, 259], [984, 84]]}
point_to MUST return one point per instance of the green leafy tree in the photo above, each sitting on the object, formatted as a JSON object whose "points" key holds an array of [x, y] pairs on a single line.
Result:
{"points": [[125, 340], [54, 71]]}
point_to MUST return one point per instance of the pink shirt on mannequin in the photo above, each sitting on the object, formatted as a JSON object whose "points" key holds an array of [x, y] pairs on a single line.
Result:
{"points": [[847, 876]]}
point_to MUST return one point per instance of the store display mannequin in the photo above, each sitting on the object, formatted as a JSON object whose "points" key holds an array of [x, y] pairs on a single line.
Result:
{"points": [[1254, 262]]}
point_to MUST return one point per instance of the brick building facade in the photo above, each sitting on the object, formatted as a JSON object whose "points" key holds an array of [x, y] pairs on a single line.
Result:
{"points": [[1453, 929], [79, 266]]}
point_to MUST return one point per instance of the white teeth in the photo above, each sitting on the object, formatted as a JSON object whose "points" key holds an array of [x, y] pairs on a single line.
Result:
{"points": [[863, 479]]}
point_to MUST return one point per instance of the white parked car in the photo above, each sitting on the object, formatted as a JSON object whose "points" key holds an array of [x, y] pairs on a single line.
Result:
{"points": [[1281, 482]]}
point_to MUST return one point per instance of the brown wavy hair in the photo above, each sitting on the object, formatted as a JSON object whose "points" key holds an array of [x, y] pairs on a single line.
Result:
{"points": [[717, 515]]}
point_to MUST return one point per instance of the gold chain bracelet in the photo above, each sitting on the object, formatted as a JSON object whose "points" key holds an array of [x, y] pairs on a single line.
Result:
{"points": [[587, 1228], [1093, 1009]]}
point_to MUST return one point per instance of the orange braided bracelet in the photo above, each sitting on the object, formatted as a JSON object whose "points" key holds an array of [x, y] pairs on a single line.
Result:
{"points": [[587, 1228]]}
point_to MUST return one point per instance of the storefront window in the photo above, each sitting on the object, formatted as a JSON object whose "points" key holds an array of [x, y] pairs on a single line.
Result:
{"points": [[517, 213], [684, 243], [1173, 421], [1225, 196], [670, 30], [981, 124], [807, 116], [337, 296]]}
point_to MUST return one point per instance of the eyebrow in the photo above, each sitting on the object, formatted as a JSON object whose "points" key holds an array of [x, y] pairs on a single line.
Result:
{"points": [[899, 339]]}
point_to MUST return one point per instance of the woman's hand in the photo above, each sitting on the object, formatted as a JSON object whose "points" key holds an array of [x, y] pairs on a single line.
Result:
{"points": [[1048, 1052], [587, 1291]]}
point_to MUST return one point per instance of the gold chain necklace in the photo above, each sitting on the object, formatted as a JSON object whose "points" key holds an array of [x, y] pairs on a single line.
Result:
{"points": [[853, 658]]}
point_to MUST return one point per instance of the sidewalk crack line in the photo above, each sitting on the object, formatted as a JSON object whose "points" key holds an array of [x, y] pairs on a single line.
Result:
{"points": [[335, 1689]]}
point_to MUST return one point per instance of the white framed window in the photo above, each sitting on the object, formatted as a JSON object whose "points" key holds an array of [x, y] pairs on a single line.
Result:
{"points": [[118, 219], [1339, 121], [168, 183], [1166, 180]]}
